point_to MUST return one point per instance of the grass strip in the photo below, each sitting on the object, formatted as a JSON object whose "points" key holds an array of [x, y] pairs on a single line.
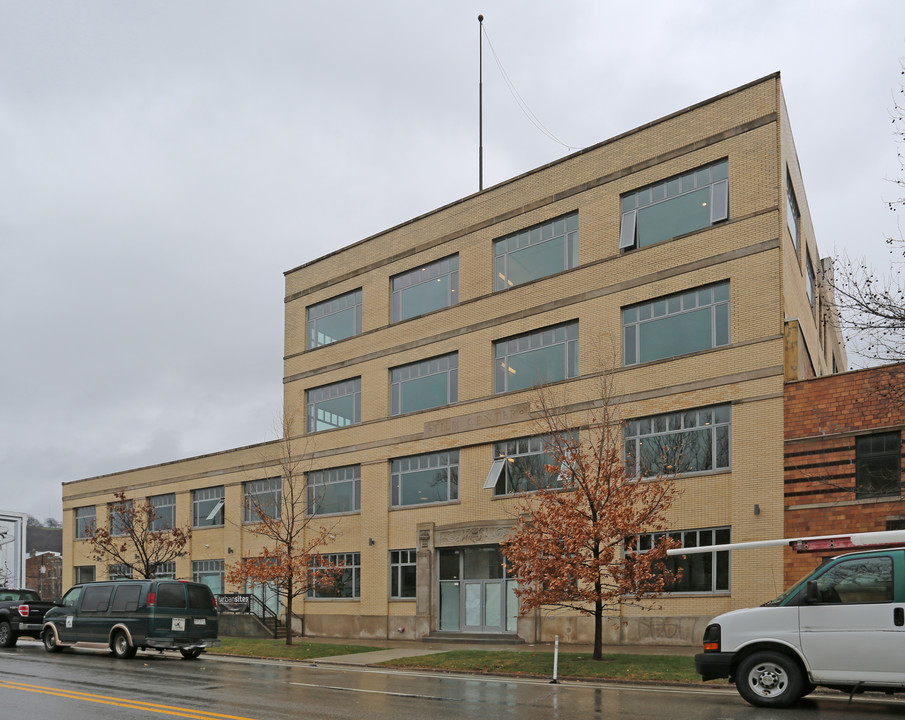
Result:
{"points": [[270, 648], [659, 668]]}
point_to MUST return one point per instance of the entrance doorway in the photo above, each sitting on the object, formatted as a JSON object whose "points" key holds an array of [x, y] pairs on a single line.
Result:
{"points": [[475, 595]]}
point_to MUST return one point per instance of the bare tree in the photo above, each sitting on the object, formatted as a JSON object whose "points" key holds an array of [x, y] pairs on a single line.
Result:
{"points": [[137, 537], [290, 562], [872, 304], [575, 538]]}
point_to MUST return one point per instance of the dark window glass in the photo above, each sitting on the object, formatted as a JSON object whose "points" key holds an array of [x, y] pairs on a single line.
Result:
{"points": [[96, 598], [200, 597], [126, 598], [860, 580], [171, 595], [878, 463]]}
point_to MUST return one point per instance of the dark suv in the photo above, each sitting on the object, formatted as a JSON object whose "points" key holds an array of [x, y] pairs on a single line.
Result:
{"points": [[21, 613], [128, 615]]}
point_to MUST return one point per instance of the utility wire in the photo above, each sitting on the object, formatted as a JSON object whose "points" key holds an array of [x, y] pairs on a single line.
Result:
{"points": [[532, 118]]}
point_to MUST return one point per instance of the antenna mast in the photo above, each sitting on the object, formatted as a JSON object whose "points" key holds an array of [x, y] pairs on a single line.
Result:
{"points": [[480, 102]]}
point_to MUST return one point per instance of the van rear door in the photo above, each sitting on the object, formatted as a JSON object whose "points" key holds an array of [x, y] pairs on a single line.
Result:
{"points": [[170, 614], [854, 631]]}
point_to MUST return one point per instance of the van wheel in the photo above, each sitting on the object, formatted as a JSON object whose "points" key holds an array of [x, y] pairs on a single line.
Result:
{"points": [[121, 647], [769, 679], [50, 641], [190, 654], [7, 637]]}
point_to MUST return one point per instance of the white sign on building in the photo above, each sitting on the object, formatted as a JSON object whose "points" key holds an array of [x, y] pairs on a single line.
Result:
{"points": [[12, 548]]}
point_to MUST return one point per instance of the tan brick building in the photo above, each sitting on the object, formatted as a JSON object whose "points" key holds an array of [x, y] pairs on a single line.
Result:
{"points": [[678, 259], [843, 459]]}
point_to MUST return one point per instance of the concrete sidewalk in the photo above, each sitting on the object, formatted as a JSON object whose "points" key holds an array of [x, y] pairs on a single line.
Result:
{"points": [[395, 649]]}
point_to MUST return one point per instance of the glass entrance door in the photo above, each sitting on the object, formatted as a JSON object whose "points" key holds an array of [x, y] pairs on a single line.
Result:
{"points": [[475, 596]]}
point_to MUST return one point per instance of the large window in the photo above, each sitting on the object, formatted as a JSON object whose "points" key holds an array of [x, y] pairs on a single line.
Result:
{"points": [[673, 207], [207, 507], [345, 582], [421, 479], [426, 384], [536, 358], [337, 490], [165, 571], [120, 517], [164, 511], [119, 572], [536, 252], [793, 215], [402, 574], [425, 289], [676, 325], [859, 580], [878, 465], [84, 574], [333, 406], [681, 442], [85, 520], [263, 496], [209, 572], [522, 465], [706, 572], [334, 319]]}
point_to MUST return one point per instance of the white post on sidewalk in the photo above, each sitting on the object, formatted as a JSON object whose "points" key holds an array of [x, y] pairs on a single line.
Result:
{"points": [[554, 681]]}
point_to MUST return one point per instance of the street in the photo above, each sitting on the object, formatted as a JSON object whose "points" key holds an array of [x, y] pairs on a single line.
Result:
{"points": [[86, 684]]}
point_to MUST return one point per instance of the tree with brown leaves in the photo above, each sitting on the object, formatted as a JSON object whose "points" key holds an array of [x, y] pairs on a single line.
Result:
{"points": [[137, 537], [572, 544], [290, 562]]}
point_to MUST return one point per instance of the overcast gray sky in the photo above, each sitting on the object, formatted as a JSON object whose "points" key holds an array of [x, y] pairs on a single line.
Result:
{"points": [[162, 164]]}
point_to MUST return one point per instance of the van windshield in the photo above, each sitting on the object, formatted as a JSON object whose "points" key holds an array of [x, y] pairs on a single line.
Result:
{"points": [[790, 593]]}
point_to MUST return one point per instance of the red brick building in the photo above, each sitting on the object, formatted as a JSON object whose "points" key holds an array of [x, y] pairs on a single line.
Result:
{"points": [[843, 457]]}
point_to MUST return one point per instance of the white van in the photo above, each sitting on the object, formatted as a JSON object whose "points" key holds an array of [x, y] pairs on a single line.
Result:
{"points": [[842, 626]]}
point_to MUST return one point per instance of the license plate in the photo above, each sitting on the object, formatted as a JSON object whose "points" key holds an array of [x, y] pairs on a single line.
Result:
{"points": [[200, 621]]}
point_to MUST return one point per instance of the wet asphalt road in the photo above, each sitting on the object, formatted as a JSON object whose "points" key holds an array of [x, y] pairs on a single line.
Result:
{"points": [[79, 685]]}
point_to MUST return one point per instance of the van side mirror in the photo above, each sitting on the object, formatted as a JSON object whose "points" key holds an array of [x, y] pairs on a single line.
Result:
{"points": [[57, 601], [812, 592]]}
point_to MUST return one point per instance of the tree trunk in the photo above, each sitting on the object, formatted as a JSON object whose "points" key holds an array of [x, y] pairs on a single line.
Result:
{"points": [[598, 629], [289, 613]]}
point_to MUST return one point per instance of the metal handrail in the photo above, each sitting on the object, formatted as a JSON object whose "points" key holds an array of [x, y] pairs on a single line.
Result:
{"points": [[248, 603]]}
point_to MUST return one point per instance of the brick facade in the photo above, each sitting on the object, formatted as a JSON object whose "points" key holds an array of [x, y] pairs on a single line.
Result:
{"points": [[823, 419]]}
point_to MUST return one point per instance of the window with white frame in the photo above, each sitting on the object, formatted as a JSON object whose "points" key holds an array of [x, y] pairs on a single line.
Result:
{"points": [[85, 521], [425, 384], [524, 464], [681, 442], [207, 507], [422, 479], [262, 497], [119, 572], [536, 252], [344, 580], [334, 491], [536, 358], [426, 288], [677, 324], [209, 572], [402, 574], [793, 215], [682, 204], [84, 574], [335, 319], [706, 572], [165, 571], [164, 511], [333, 406], [120, 517]]}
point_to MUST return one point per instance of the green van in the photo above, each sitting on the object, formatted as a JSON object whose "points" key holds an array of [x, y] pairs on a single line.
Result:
{"points": [[128, 615]]}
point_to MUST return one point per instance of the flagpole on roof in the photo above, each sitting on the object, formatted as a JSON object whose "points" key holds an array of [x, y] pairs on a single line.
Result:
{"points": [[480, 103]]}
